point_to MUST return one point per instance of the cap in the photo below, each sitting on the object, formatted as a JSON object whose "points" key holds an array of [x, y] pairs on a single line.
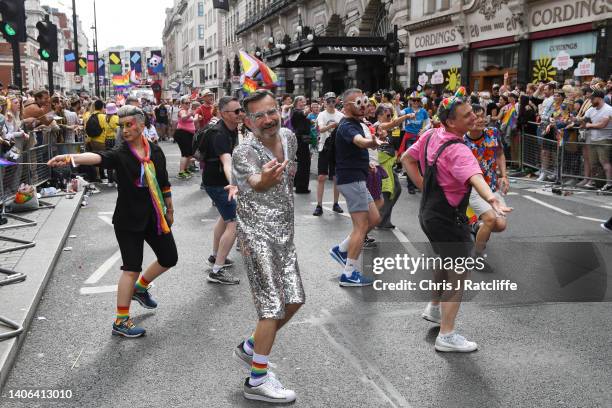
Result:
{"points": [[111, 109], [206, 92], [495, 86], [330, 95]]}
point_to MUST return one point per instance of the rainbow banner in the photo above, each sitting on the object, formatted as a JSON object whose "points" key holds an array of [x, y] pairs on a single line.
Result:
{"points": [[121, 80], [256, 71], [248, 85], [509, 118]]}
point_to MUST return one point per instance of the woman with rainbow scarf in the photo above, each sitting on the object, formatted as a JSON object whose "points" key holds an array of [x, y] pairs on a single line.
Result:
{"points": [[143, 212]]}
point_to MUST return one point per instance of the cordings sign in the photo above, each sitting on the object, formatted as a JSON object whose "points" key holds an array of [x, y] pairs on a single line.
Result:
{"points": [[439, 38]]}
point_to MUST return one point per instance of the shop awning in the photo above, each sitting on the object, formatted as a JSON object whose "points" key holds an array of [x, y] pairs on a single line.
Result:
{"points": [[326, 50]]}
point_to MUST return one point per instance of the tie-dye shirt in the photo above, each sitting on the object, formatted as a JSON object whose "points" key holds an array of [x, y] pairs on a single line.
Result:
{"points": [[485, 151]]}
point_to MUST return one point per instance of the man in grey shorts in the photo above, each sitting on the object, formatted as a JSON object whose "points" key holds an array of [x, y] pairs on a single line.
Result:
{"points": [[352, 167]]}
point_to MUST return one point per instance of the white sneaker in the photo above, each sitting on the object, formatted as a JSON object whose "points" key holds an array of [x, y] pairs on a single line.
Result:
{"points": [[542, 177], [455, 343], [271, 390], [432, 313]]}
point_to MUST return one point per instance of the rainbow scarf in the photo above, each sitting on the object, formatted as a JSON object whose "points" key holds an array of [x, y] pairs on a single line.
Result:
{"points": [[147, 171], [509, 118]]}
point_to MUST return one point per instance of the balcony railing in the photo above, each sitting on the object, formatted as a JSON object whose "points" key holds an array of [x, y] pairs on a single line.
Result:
{"points": [[257, 18]]}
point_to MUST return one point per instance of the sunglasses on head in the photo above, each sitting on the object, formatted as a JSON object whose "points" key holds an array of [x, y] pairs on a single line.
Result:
{"points": [[235, 112], [359, 102]]}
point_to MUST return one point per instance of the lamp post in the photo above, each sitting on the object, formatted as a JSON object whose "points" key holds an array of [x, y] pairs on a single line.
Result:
{"points": [[95, 44]]}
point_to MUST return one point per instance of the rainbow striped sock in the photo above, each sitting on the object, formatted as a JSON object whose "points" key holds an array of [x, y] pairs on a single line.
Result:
{"points": [[123, 312], [249, 345], [259, 369], [141, 284]]}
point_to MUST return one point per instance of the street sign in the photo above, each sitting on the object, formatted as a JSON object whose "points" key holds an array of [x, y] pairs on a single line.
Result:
{"points": [[187, 81], [173, 85]]}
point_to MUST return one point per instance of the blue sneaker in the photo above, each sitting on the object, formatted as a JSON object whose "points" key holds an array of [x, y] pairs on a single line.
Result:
{"points": [[127, 328], [338, 255], [356, 279], [145, 299]]}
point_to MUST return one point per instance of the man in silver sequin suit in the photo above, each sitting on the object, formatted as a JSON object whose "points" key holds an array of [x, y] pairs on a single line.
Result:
{"points": [[263, 167]]}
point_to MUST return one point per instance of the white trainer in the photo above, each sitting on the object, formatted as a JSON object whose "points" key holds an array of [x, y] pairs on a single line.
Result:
{"points": [[271, 390], [432, 313], [455, 343]]}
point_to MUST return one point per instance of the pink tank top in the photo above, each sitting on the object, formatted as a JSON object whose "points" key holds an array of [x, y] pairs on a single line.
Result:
{"points": [[185, 123]]}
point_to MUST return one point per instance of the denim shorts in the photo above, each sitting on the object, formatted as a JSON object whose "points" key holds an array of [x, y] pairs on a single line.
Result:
{"points": [[227, 209]]}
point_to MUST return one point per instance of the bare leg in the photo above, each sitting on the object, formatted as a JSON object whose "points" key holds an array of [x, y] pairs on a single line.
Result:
{"points": [[217, 233], [226, 242]]}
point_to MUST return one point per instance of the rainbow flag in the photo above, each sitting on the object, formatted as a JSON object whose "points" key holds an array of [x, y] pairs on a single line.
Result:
{"points": [[249, 85], [121, 80], [255, 69], [509, 118], [249, 64]]}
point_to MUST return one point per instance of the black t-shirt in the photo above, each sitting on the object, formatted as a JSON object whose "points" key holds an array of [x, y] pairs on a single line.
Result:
{"points": [[219, 140], [134, 208], [352, 162], [161, 114]]}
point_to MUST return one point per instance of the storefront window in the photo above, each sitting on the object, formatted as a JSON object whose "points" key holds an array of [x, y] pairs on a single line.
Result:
{"points": [[442, 71], [566, 57], [502, 57]]}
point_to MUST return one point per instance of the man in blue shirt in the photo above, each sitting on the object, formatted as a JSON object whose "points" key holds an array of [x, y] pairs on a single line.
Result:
{"points": [[412, 127], [352, 167]]}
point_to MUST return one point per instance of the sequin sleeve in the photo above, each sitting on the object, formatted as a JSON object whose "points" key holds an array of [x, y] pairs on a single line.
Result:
{"points": [[245, 163]]}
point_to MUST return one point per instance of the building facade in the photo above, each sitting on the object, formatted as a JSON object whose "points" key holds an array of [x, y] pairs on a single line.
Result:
{"points": [[34, 70], [475, 42], [192, 39], [316, 46]]}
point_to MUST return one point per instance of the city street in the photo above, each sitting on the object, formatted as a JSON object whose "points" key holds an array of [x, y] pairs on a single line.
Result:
{"points": [[340, 350]]}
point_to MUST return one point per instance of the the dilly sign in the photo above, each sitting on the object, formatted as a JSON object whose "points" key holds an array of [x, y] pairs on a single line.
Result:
{"points": [[352, 50]]}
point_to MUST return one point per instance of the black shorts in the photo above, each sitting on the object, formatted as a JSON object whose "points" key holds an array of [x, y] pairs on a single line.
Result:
{"points": [[448, 239], [131, 245], [184, 139], [326, 166]]}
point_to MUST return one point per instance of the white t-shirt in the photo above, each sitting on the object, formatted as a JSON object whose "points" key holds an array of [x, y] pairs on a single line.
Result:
{"points": [[372, 153], [150, 133], [324, 119], [72, 119], [596, 116]]}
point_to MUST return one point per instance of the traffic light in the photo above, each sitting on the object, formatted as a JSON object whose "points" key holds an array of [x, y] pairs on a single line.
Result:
{"points": [[13, 24], [47, 38]]}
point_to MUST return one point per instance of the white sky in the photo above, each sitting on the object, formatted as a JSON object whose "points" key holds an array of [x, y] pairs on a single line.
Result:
{"points": [[131, 23]]}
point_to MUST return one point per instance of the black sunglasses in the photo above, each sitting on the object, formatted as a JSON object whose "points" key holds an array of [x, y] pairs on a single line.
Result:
{"points": [[236, 112]]}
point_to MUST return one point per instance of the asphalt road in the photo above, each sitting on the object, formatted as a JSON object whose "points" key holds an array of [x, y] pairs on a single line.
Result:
{"points": [[342, 349]]}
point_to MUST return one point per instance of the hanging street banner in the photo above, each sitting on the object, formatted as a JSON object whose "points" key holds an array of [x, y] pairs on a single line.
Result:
{"points": [[82, 66], [101, 68], [221, 4], [155, 64], [136, 61], [91, 62], [69, 61], [115, 63]]}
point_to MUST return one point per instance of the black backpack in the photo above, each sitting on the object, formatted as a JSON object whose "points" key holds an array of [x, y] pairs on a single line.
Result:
{"points": [[93, 127], [200, 144]]}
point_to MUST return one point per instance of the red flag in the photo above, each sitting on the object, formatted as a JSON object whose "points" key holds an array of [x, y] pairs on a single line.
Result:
{"points": [[91, 62]]}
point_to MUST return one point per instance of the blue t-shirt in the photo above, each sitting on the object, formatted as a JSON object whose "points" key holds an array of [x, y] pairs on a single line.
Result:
{"points": [[352, 162], [415, 125]]}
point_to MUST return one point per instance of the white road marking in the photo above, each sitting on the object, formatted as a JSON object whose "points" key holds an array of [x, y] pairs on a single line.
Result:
{"points": [[98, 289], [105, 213], [512, 193], [328, 202], [607, 207], [106, 219], [368, 372], [552, 207], [344, 214], [401, 237], [103, 269], [590, 219]]}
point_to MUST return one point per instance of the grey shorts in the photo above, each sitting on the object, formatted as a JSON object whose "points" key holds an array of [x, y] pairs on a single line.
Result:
{"points": [[357, 196], [480, 205]]}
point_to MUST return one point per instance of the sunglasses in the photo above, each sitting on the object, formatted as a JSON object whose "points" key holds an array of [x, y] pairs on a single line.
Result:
{"points": [[235, 112], [359, 102], [260, 115]]}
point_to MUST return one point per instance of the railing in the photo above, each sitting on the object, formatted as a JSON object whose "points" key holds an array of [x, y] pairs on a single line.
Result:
{"points": [[567, 159]]}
